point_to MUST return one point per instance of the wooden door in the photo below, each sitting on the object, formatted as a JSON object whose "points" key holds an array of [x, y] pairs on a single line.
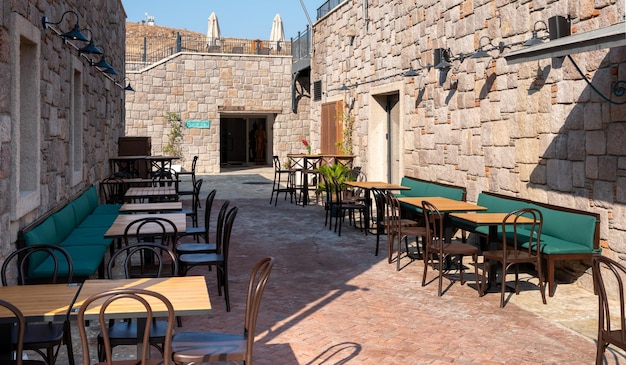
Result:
{"points": [[332, 127]]}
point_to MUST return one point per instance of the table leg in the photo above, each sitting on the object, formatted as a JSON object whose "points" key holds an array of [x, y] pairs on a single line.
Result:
{"points": [[493, 245], [6, 352]]}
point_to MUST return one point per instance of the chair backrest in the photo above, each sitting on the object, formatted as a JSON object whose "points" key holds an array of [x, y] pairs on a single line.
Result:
{"points": [[62, 262], [148, 299], [224, 245], [518, 231], [193, 164], [221, 218], [434, 221], [277, 166], [380, 200], [208, 205], [148, 260], [20, 324], [195, 197], [256, 286], [394, 214], [112, 190], [164, 177], [608, 278], [152, 229]]}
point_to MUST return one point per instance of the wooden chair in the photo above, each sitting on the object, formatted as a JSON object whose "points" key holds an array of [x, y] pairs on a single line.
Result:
{"points": [[521, 244], [608, 279], [399, 229], [20, 329], [48, 336], [382, 223], [218, 259], [142, 296], [436, 249], [210, 346], [139, 261]]}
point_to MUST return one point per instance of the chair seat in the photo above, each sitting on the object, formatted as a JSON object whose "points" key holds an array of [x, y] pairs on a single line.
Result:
{"points": [[131, 362], [185, 248], [200, 258], [512, 256], [125, 333], [459, 249], [208, 347], [41, 333]]}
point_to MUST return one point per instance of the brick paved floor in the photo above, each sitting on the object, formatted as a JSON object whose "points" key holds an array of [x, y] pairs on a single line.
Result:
{"points": [[331, 301]]}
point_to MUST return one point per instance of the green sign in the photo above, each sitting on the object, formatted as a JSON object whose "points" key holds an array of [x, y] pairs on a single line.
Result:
{"points": [[197, 124]]}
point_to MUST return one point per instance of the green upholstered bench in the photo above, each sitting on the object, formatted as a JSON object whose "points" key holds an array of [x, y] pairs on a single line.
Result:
{"points": [[79, 228], [426, 188], [566, 234]]}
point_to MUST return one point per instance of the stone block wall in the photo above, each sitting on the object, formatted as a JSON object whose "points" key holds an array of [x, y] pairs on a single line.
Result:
{"points": [[533, 129], [102, 103], [204, 87]]}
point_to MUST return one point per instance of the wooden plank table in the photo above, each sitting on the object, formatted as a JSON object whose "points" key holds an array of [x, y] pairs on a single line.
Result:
{"points": [[119, 225], [151, 207], [38, 303], [151, 193]]}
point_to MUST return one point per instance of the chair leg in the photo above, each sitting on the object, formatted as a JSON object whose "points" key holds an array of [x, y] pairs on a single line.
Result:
{"points": [[67, 334]]}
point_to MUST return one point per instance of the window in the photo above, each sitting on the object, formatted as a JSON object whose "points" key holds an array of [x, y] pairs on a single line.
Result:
{"points": [[25, 116], [76, 125]]}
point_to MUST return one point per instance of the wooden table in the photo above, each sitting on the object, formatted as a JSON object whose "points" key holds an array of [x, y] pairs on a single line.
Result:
{"points": [[445, 206], [151, 193], [119, 225], [307, 164], [38, 303], [188, 294], [493, 221], [368, 186], [151, 207]]}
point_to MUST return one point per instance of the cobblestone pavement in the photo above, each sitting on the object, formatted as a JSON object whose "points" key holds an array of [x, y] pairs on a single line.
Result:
{"points": [[331, 301]]}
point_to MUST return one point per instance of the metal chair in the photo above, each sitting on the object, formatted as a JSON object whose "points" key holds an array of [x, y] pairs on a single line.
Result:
{"points": [[191, 173], [521, 244], [195, 204], [204, 230], [145, 298], [398, 229], [210, 346], [283, 182], [218, 259], [206, 246], [112, 190], [436, 249], [49, 335], [19, 329]]}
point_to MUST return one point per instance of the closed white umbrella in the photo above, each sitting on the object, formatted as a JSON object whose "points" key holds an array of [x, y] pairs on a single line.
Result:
{"points": [[213, 34], [277, 36]]}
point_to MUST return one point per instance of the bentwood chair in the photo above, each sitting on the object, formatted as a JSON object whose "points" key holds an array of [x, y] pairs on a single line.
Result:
{"points": [[139, 261], [203, 231], [18, 330], [48, 336], [206, 246], [341, 207], [608, 279], [108, 299], [112, 190], [521, 244], [152, 230], [283, 182], [399, 229], [197, 347], [381, 223], [195, 204], [436, 249], [219, 258], [191, 173]]}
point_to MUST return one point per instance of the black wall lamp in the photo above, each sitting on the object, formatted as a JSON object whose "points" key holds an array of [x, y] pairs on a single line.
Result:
{"points": [[128, 87], [103, 66], [90, 48], [74, 34], [535, 39], [442, 58]]}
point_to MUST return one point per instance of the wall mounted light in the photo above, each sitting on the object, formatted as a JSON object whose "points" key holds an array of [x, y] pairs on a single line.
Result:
{"points": [[535, 39], [442, 58], [74, 34], [482, 52], [90, 48], [104, 66], [128, 87]]}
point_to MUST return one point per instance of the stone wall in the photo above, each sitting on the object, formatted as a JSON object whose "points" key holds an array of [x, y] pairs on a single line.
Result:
{"points": [[102, 103], [534, 129], [206, 87]]}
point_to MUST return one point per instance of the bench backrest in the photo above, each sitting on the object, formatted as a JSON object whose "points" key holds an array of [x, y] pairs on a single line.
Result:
{"points": [[421, 187]]}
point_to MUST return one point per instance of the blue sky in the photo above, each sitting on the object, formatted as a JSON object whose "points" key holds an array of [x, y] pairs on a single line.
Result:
{"points": [[249, 19]]}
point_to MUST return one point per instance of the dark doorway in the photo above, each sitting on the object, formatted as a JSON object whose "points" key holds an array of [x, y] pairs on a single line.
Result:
{"points": [[243, 141]]}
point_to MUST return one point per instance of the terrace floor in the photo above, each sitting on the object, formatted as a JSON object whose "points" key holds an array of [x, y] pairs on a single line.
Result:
{"points": [[331, 301]]}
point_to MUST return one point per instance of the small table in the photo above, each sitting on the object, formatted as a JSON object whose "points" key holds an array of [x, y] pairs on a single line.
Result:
{"points": [[153, 193], [126, 166], [151, 207], [38, 303], [445, 206], [123, 220], [188, 294], [160, 164]]}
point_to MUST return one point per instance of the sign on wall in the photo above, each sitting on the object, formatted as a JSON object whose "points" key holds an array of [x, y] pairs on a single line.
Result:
{"points": [[190, 123]]}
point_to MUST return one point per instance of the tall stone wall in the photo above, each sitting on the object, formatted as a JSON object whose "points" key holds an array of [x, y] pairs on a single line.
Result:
{"points": [[102, 103], [534, 129], [204, 87]]}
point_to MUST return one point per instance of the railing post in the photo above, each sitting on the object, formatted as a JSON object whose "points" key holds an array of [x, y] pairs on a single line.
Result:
{"points": [[179, 42], [145, 49]]}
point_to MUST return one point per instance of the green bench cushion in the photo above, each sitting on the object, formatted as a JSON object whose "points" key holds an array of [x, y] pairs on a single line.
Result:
{"points": [[107, 209], [92, 196], [85, 259], [86, 237], [569, 226], [65, 221], [82, 208], [98, 221], [496, 204], [44, 233]]}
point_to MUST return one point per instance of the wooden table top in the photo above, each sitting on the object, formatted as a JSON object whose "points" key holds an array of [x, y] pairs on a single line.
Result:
{"points": [[44, 302], [443, 204], [151, 207], [487, 219], [119, 225], [376, 185], [188, 294], [150, 191]]}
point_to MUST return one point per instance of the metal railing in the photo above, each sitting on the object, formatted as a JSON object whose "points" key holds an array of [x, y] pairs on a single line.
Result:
{"points": [[327, 7], [301, 46], [154, 49]]}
